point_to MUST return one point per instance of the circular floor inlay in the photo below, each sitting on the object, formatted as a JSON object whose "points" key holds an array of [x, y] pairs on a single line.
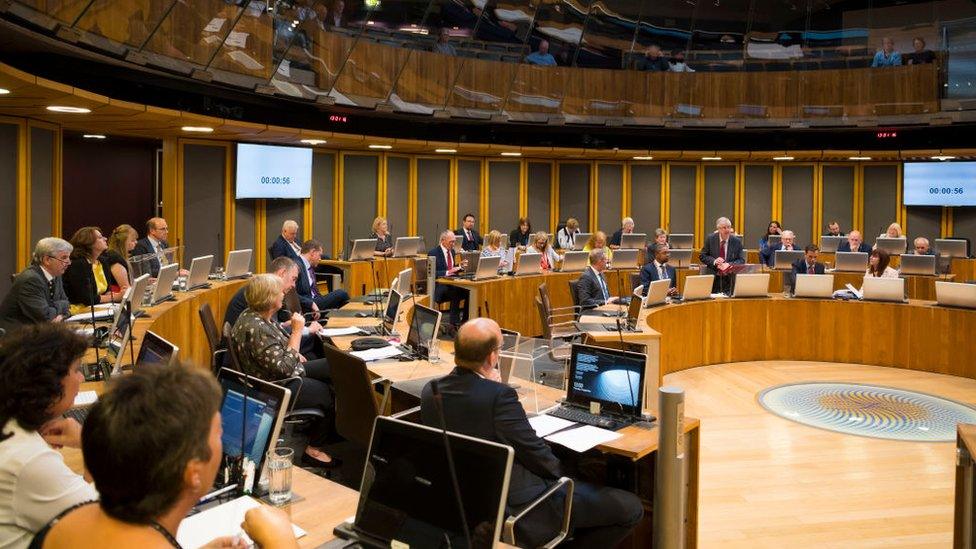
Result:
{"points": [[868, 410]]}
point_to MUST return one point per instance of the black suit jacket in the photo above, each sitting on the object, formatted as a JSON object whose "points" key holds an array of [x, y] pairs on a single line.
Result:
{"points": [[440, 264], [491, 411], [649, 274], [845, 246], [616, 238], [143, 246], [29, 300], [734, 252], [472, 244], [281, 247], [79, 282], [302, 286], [800, 267], [589, 289]]}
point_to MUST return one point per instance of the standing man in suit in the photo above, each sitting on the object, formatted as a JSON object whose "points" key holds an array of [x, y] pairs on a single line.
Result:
{"points": [[474, 402], [470, 239], [592, 286], [658, 269], [445, 266], [287, 243], [157, 231], [722, 250], [855, 243], [307, 287], [626, 227], [37, 294], [787, 242]]}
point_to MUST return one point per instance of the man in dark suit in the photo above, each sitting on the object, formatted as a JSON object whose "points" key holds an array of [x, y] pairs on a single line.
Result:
{"points": [[157, 231], [475, 402], [470, 239], [658, 269], [307, 287], [592, 287], [37, 294], [445, 266], [809, 263], [626, 227], [787, 242], [922, 246], [855, 242], [833, 229], [287, 244], [722, 250]]}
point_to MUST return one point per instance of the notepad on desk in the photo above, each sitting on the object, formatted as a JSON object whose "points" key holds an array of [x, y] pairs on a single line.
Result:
{"points": [[333, 332], [583, 438], [379, 353], [220, 521], [546, 425]]}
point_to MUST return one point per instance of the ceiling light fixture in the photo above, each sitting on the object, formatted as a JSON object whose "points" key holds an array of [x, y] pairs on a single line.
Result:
{"points": [[859, 158], [93, 136], [943, 157], [445, 151], [511, 154], [711, 158], [383, 147], [68, 110], [197, 129], [643, 158], [783, 158], [4, 91], [314, 141]]}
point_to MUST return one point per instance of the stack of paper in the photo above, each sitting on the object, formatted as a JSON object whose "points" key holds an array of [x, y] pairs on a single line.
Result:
{"points": [[583, 438], [332, 332], [377, 354], [220, 521]]}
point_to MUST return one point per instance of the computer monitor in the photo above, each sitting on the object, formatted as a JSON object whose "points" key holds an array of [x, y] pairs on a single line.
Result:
{"points": [[406, 464], [529, 264], [362, 249], [853, 262], [404, 280], [487, 267], [784, 259], [392, 309], [164, 284], [774, 239], [252, 412], [575, 261], [894, 246], [633, 241], [625, 259], [139, 287], [580, 239], [912, 264], [424, 324], [118, 335], [612, 377], [751, 285], [681, 241], [955, 294], [156, 350], [883, 289], [238, 264], [830, 243], [814, 286], [199, 272], [406, 246], [952, 247]]}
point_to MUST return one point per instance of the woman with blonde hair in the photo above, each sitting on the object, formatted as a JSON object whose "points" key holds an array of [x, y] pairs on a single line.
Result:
{"points": [[493, 247], [384, 240], [115, 258], [598, 240], [540, 243]]}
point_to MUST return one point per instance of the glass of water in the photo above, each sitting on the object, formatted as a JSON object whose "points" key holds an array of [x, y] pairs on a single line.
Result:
{"points": [[279, 465], [433, 351]]}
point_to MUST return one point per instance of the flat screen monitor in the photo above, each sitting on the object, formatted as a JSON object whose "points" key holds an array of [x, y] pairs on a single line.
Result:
{"points": [[156, 350], [392, 308], [611, 377], [939, 184], [270, 171], [424, 323]]}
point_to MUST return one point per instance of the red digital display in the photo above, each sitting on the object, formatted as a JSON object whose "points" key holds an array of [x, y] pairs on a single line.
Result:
{"points": [[337, 118], [887, 134]]}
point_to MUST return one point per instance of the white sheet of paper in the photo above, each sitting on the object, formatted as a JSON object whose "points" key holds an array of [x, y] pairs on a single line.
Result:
{"points": [[377, 354], [236, 39], [583, 438], [84, 398], [284, 68], [215, 24], [222, 520], [330, 332], [100, 314], [546, 425], [245, 60]]}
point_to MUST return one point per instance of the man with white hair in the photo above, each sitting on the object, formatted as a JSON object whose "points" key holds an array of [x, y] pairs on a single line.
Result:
{"points": [[37, 294], [287, 244], [626, 227], [787, 242], [446, 266], [722, 250], [922, 246]]}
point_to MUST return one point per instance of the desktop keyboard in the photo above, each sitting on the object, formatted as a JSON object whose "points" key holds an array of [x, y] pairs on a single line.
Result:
{"points": [[581, 416], [78, 414]]}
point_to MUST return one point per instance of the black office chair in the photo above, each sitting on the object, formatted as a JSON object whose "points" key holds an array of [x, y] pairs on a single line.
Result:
{"points": [[356, 407], [218, 347], [574, 293]]}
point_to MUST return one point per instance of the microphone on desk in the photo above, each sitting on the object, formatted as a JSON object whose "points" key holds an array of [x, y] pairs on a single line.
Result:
{"points": [[438, 401]]}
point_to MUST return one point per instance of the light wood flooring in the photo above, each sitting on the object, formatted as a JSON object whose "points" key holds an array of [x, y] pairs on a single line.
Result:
{"points": [[770, 482]]}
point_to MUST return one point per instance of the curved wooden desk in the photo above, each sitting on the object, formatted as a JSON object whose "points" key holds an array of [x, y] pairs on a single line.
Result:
{"points": [[917, 335]]}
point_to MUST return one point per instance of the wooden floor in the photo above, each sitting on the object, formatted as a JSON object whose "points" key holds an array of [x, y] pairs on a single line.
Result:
{"points": [[770, 482]]}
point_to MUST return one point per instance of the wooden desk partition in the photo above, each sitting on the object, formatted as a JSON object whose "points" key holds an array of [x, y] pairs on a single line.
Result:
{"points": [[357, 275]]}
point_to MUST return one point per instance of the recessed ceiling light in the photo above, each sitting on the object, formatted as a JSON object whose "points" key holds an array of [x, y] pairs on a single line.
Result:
{"points": [[71, 110], [643, 158], [314, 141], [943, 157], [445, 151], [859, 158], [384, 147], [93, 136], [711, 158], [197, 129], [782, 158], [511, 154], [4, 91]]}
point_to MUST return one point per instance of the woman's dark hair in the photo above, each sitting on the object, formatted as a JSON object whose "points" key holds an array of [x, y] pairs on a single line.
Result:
{"points": [[33, 361], [883, 260], [778, 225], [140, 435], [84, 241], [525, 221]]}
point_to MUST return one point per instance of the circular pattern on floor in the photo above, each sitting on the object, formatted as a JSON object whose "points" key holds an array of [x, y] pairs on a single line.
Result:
{"points": [[868, 410]]}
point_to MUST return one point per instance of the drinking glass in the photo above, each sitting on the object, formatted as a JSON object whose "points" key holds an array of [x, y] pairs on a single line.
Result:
{"points": [[279, 464]]}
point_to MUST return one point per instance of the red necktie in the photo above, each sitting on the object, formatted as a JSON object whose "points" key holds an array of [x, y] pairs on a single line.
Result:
{"points": [[721, 249], [810, 269], [450, 259]]}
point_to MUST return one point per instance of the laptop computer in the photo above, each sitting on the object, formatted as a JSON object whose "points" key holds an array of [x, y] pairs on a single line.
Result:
{"points": [[487, 267], [424, 325], [851, 262], [955, 294], [883, 289], [681, 241], [894, 246], [362, 249], [611, 378], [251, 415], [773, 239], [681, 258], [580, 239], [199, 272], [830, 243], [628, 324], [407, 246], [392, 311], [472, 258], [238, 264], [783, 259], [625, 259], [814, 285], [751, 285], [912, 264], [657, 292], [529, 264], [156, 350], [139, 287], [633, 241], [575, 261], [164, 284], [406, 464], [403, 282], [952, 247], [698, 287]]}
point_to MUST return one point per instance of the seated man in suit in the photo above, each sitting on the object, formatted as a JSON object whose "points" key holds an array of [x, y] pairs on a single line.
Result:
{"points": [[626, 227], [787, 242], [658, 269], [287, 244], [37, 294], [855, 243], [809, 263], [922, 246], [722, 250], [444, 266], [592, 287], [474, 402], [470, 239], [157, 231], [307, 287], [833, 229]]}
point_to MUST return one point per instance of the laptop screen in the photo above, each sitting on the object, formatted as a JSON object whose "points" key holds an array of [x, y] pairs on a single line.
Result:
{"points": [[155, 350], [392, 307], [611, 377], [407, 464], [422, 326], [251, 420]]}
